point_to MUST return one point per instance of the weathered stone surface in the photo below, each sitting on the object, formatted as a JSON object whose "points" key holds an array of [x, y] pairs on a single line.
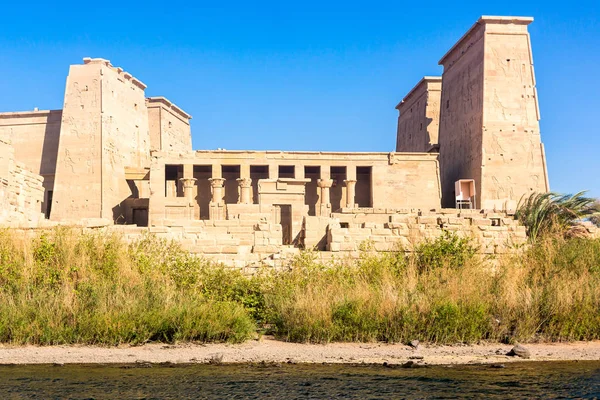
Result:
{"points": [[21, 191], [419, 115], [519, 351], [489, 129]]}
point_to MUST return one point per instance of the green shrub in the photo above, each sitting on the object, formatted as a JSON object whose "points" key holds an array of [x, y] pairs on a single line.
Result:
{"points": [[448, 250]]}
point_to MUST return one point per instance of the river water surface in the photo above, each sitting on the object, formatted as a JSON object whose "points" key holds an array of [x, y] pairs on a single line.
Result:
{"points": [[144, 381]]}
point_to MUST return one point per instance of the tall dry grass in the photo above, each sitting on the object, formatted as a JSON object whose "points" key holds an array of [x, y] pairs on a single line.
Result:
{"points": [[550, 292], [68, 287], [65, 286]]}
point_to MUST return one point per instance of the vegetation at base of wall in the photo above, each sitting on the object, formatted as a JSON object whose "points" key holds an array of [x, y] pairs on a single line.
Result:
{"points": [[65, 286], [549, 292], [68, 287]]}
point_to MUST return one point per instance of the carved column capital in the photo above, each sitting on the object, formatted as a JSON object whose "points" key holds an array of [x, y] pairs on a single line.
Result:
{"points": [[188, 182], [188, 190], [217, 182], [244, 192], [244, 182], [325, 183]]}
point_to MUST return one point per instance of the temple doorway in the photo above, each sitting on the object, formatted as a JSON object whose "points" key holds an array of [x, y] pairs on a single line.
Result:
{"points": [[283, 213]]}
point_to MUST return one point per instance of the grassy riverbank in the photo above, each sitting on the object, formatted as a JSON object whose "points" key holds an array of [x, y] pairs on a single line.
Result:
{"points": [[67, 287]]}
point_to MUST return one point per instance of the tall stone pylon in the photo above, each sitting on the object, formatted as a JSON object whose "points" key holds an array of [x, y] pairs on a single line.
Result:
{"points": [[489, 115], [104, 129]]}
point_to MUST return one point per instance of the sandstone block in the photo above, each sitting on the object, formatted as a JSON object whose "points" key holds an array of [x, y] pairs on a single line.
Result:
{"points": [[229, 249], [265, 249], [481, 222], [430, 220], [381, 232], [347, 246], [334, 246]]}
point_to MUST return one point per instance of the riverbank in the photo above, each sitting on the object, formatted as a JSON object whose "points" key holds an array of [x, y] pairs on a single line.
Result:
{"points": [[269, 350]]}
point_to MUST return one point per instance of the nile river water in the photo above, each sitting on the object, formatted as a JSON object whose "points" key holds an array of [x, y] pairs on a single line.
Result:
{"points": [[522, 380]]}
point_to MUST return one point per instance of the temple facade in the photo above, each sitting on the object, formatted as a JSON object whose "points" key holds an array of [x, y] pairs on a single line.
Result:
{"points": [[114, 157]]}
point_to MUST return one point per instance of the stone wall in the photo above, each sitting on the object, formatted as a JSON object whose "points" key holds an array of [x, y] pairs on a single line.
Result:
{"points": [[513, 162], [419, 116], [169, 126], [21, 192], [237, 243], [79, 160], [489, 129], [257, 241], [496, 233], [461, 114], [34, 138]]}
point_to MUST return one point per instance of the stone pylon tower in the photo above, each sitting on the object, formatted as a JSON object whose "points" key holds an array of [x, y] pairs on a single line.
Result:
{"points": [[104, 129], [419, 117], [489, 115]]}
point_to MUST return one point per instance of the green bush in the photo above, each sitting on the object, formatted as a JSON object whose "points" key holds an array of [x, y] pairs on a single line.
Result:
{"points": [[447, 250]]}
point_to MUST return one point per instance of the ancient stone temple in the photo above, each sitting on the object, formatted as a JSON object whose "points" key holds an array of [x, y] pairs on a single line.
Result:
{"points": [[482, 115], [112, 157]]}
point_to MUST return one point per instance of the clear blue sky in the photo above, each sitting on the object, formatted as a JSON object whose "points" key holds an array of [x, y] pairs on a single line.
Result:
{"points": [[309, 75]]}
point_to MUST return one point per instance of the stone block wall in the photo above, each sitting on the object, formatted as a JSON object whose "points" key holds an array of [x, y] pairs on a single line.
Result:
{"points": [[315, 232], [21, 192], [34, 138], [496, 233], [236, 243], [419, 116], [169, 126], [237, 236]]}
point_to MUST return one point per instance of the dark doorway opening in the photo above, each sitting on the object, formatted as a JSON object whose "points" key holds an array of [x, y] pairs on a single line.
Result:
{"points": [[203, 173], [231, 173], [140, 216], [49, 203], [338, 190], [287, 171], [312, 191], [363, 195], [257, 172], [284, 217], [173, 187]]}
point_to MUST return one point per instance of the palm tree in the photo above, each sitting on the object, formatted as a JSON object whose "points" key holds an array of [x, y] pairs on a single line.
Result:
{"points": [[596, 218], [544, 213]]}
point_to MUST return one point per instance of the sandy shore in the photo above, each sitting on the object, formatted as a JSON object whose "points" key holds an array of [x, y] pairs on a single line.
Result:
{"points": [[270, 350]]}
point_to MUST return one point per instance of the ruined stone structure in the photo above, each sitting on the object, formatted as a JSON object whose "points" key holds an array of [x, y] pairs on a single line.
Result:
{"points": [[21, 191], [112, 157]]}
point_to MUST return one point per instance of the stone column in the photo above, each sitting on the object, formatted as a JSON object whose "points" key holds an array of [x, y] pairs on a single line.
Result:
{"points": [[217, 205], [188, 188], [350, 192], [273, 171], [188, 193], [245, 186], [325, 202]]}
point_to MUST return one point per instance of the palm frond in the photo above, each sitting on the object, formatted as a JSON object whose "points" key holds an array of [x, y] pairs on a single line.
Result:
{"points": [[544, 213]]}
